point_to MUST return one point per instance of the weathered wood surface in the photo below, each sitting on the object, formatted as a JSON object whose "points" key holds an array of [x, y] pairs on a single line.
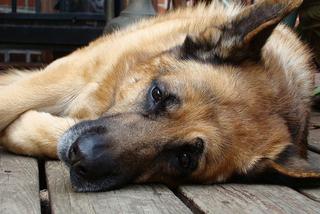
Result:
{"points": [[317, 79], [313, 192], [19, 192], [314, 139], [240, 198], [315, 120], [314, 132], [231, 198], [132, 199], [19, 185]]}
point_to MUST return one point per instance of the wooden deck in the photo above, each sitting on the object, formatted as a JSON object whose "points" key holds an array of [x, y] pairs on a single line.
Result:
{"points": [[30, 186]]}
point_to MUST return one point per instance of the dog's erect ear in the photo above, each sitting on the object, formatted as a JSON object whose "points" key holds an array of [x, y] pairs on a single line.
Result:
{"points": [[290, 163], [242, 37]]}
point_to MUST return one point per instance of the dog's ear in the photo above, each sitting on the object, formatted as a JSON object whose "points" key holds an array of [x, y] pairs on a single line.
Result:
{"points": [[290, 163], [242, 37]]}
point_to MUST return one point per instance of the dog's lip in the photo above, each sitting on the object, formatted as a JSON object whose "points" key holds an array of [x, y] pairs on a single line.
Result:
{"points": [[99, 185], [92, 187]]}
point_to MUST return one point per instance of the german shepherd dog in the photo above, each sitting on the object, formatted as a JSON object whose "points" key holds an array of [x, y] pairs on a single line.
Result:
{"points": [[199, 95]]}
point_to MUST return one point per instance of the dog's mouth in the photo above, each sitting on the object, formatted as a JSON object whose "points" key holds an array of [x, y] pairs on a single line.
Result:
{"points": [[80, 184]]}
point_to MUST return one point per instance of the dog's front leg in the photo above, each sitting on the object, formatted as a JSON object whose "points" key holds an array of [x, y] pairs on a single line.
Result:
{"points": [[35, 134], [54, 88]]}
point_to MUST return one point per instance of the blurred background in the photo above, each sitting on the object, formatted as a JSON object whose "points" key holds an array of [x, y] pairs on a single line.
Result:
{"points": [[35, 32]]}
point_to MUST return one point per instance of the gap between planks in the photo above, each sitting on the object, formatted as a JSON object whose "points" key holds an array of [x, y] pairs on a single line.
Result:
{"points": [[19, 184], [252, 198], [26, 170], [312, 192]]}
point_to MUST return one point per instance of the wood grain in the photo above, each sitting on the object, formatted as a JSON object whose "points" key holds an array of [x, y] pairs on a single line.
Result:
{"points": [[317, 79], [232, 198], [314, 139], [132, 199], [241, 198], [315, 120], [313, 192], [19, 185]]}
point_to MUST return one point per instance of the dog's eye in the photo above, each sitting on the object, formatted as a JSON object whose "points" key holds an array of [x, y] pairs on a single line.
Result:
{"points": [[156, 94], [199, 144], [189, 155], [184, 160]]}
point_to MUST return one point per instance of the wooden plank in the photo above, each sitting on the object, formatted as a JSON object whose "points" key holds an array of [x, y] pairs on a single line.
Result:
{"points": [[313, 192], [315, 120], [19, 185], [317, 79], [230, 198], [132, 199], [314, 139], [314, 159], [241, 198]]}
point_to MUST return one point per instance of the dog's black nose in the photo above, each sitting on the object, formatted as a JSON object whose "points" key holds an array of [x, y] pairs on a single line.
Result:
{"points": [[89, 156]]}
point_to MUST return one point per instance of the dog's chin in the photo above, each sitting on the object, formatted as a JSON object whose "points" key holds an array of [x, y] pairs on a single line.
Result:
{"points": [[99, 185]]}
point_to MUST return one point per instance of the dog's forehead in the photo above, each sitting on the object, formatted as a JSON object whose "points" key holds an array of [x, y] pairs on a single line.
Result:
{"points": [[190, 76]]}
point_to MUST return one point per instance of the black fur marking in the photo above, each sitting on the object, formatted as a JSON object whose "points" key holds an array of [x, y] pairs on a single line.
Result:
{"points": [[238, 29]]}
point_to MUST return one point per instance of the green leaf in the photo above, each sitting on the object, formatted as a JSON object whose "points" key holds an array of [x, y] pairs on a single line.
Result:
{"points": [[316, 91]]}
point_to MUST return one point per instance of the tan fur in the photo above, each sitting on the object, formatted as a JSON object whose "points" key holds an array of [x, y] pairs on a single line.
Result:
{"points": [[31, 135], [242, 112]]}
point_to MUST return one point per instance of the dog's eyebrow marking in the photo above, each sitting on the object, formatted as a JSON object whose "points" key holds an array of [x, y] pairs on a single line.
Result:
{"points": [[135, 79]]}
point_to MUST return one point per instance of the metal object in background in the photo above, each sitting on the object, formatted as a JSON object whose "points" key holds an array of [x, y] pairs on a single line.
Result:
{"points": [[109, 9], [136, 10]]}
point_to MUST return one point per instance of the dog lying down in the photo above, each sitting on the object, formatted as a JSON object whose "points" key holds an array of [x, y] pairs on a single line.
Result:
{"points": [[199, 95]]}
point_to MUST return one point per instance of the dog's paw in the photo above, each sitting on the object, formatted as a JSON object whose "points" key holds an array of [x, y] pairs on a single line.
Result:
{"points": [[29, 134]]}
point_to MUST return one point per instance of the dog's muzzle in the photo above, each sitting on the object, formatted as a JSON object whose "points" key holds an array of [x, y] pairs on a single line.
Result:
{"points": [[85, 149]]}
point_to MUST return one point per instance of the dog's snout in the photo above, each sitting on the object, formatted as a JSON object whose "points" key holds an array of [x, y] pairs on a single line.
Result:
{"points": [[89, 157], [83, 147], [74, 153]]}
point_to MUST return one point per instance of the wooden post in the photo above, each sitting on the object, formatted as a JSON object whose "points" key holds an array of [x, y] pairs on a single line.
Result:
{"points": [[109, 7]]}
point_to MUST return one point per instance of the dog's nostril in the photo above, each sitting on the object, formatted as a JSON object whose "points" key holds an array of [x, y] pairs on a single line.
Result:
{"points": [[74, 153], [89, 158]]}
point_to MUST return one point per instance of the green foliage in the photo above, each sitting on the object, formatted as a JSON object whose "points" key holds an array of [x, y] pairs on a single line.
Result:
{"points": [[316, 91]]}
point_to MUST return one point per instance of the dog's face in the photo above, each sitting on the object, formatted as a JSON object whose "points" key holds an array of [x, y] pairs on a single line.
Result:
{"points": [[191, 114], [169, 127]]}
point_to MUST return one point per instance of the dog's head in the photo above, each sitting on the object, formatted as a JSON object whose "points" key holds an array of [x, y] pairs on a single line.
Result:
{"points": [[195, 113]]}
